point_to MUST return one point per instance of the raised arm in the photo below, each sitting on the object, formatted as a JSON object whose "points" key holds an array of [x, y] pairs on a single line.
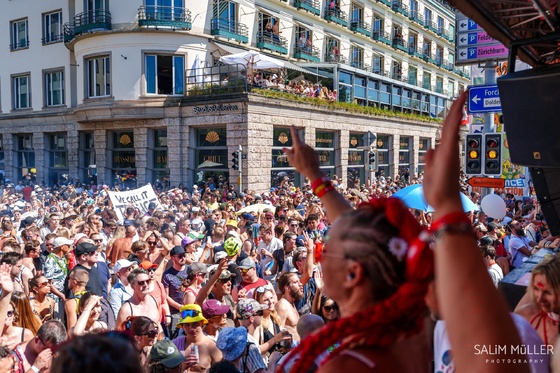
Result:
{"points": [[474, 311]]}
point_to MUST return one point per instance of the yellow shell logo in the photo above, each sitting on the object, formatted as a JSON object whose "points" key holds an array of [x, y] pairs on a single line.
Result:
{"points": [[125, 139], [283, 138], [353, 141], [212, 137]]}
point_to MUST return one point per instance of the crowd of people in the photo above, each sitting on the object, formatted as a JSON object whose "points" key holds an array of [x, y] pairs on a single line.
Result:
{"points": [[300, 87], [317, 278]]}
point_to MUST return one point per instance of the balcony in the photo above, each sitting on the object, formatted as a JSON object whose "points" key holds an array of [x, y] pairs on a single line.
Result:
{"points": [[381, 36], [400, 44], [361, 27], [430, 25], [22, 44], [272, 42], [164, 16], [360, 65], [378, 71], [439, 61], [447, 65], [446, 35], [414, 16], [386, 2], [312, 6], [308, 53], [229, 29], [429, 57], [443, 33], [398, 75], [94, 20], [399, 7], [412, 80], [329, 57], [336, 16], [415, 51]]}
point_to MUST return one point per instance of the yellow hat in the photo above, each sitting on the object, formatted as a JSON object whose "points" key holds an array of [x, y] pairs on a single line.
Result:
{"points": [[191, 313], [232, 222]]}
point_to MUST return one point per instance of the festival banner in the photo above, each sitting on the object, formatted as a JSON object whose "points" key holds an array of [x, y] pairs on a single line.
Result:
{"points": [[138, 198]]}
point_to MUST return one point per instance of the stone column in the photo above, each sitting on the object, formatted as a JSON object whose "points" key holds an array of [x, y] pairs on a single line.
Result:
{"points": [[73, 146], [414, 156], [394, 155], [102, 160], [176, 143], [40, 162], [141, 155], [341, 154], [9, 157]]}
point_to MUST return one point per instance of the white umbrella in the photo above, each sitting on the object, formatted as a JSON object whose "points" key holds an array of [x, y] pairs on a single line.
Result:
{"points": [[195, 76], [206, 164], [252, 60], [257, 207]]}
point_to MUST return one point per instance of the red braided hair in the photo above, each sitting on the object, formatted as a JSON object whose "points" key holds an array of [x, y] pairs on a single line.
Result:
{"points": [[398, 314]]}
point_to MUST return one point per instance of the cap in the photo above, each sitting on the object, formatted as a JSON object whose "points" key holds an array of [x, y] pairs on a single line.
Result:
{"points": [[167, 353], [146, 264], [219, 256], [196, 235], [232, 222], [196, 224], [195, 268], [191, 313], [187, 240], [152, 206], [232, 342], [122, 263], [60, 241], [85, 248], [28, 220], [176, 250], [486, 240], [224, 275], [247, 263], [248, 216], [493, 225], [195, 209], [78, 237], [248, 307], [213, 307]]}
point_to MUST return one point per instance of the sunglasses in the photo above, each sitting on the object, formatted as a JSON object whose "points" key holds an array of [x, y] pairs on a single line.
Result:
{"points": [[334, 307], [151, 334], [189, 313], [180, 256], [262, 289], [43, 284], [144, 282], [244, 270], [99, 240], [152, 243], [293, 225]]}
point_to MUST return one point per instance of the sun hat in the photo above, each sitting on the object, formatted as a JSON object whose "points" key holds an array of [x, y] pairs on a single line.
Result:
{"points": [[191, 313], [232, 342]]}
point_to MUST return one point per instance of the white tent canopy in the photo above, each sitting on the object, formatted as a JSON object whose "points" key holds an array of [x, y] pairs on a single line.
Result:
{"points": [[252, 60]]}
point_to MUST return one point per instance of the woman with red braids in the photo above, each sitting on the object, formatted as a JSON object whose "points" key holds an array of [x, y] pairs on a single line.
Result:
{"points": [[377, 265]]}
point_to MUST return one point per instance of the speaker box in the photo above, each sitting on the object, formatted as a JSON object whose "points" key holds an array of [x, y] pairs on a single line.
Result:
{"points": [[547, 185], [530, 104]]}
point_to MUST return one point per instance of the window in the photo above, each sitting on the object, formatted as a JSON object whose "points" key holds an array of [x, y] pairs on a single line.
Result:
{"points": [[439, 54], [356, 169], [52, 27], [427, 15], [379, 64], [423, 147], [439, 84], [383, 147], [451, 88], [25, 155], [212, 158], [404, 153], [427, 80], [20, 37], [357, 14], [304, 39], [87, 160], [440, 25], [412, 40], [378, 22], [357, 57], [123, 159], [396, 70], [280, 168], [412, 74], [54, 88], [57, 157], [427, 48], [451, 57], [414, 7], [165, 75], [21, 96], [99, 76], [325, 145], [332, 50]]}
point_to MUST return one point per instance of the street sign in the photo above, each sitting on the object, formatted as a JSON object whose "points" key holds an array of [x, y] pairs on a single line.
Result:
{"points": [[484, 99], [487, 182], [475, 39], [465, 24], [483, 52], [474, 44]]}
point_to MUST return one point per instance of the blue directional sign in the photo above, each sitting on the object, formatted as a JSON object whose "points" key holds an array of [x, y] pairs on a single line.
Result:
{"points": [[483, 99]]}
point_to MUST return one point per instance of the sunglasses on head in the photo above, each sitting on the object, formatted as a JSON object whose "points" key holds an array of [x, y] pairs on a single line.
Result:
{"points": [[189, 313], [262, 289]]}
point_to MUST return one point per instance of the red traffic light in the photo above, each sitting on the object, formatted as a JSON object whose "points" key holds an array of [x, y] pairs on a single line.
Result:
{"points": [[491, 143], [473, 143]]}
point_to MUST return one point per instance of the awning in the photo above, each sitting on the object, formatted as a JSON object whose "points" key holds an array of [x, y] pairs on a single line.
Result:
{"points": [[293, 66], [228, 49]]}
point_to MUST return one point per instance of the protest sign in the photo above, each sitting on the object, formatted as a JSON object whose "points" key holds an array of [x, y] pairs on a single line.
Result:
{"points": [[138, 198]]}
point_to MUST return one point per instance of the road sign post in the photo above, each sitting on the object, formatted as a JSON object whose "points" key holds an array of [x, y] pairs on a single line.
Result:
{"points": [[483, 99]]}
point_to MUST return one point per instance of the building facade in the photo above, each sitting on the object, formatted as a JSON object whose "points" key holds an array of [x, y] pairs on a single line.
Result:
{"points": [[100, 89]]}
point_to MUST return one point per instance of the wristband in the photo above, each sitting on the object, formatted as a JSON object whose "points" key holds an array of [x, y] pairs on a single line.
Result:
{"points": [[322, 180], [454, 223], [328, 188], [35, 369], [452, 218]]}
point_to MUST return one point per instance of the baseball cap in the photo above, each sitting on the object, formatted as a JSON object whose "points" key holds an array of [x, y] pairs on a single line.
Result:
{"points": [[195, 268], [196, 235], [122, 263], [213, 307], [187, 240], [486, 240], [232, 222], [176, 250], [60, 241], [146, 264], [166, 353], [224, 275], [85, 248], [247, 263], [191, 313], [219, 256], [493, 225], [248, 216], [248, 307]]}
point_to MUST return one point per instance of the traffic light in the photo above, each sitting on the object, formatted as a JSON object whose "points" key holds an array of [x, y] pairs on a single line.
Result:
{"points": [[473, 152], [372, 158], [493, 154], [235, 160]]}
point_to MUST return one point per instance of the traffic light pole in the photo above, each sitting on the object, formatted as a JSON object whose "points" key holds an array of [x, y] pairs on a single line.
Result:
{"points": [[240, 155], [489, 126]]}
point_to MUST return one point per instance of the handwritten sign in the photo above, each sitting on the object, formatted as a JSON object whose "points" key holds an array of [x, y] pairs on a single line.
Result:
{"points": [[138, 198]]}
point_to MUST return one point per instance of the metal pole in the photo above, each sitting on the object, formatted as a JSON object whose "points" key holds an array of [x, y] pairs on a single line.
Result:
{"points": [[240, 157], [489, 126]]}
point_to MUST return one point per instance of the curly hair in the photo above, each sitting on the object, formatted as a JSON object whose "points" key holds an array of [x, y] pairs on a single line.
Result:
{"points": [[398, 284]]}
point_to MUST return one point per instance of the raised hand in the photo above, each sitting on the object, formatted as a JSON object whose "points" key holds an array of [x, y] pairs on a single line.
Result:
{"points": [[303, 157], [5, 279], [441, 173]]}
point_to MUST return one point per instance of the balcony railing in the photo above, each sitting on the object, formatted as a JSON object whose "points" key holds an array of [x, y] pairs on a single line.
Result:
{"points": [[336, 16], [312, 6], [399, 7], [164, 16], [360, 65], [414, 16], [272, 42], [443, 33], [400, 43], [52, 39], [382, 36], [430, 25], [378, 71], [22, 44], [360, 26], [309, 53], [229, 29], [386, 2], [329, 57], [217, 80], [86, 22], [439, 60], [447, 65], [415, 51]]}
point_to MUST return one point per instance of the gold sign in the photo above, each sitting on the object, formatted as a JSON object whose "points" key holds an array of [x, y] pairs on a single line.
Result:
{"points": [[324, 157], [213, 158], [212, 137], [124, 159], [353, 141], [125, 139], [355, 157], [283, 138]]}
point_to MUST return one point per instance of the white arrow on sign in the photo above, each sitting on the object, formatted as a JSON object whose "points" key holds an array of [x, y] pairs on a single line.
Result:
{"points": [[475, 99]]}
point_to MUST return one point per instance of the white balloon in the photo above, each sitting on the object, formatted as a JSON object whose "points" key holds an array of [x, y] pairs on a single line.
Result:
{"points": [[494, 206]]}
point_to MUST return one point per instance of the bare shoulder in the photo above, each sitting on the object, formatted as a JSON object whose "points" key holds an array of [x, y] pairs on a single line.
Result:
{"points": [[527, 311], [282, 305]]}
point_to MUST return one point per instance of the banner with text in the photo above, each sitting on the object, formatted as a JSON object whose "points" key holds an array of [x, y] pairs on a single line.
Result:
{"points": [[138, 198]]}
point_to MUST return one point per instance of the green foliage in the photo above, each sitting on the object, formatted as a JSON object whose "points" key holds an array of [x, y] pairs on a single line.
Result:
{"points": [[346, 106]]}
